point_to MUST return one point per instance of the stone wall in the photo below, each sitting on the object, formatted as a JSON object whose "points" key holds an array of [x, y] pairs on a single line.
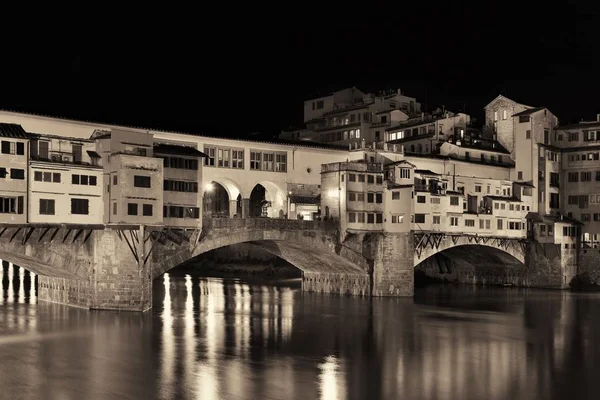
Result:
{"points": [[393, 268], [65, 291], [341, 284], [589, 267], [84, 266]]}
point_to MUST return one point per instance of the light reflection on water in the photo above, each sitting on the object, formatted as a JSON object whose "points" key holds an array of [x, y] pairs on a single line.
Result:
{"points": [[228, 339]]}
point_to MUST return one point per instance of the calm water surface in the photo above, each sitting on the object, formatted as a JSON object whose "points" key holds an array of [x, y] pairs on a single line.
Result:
{"points": [[226, 339]]}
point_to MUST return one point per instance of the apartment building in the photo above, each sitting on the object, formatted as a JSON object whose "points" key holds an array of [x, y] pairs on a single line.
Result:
{"points": [[397, 196], [350, 114], [579, 146], [133, 177], [14, 153], [65, 180]]}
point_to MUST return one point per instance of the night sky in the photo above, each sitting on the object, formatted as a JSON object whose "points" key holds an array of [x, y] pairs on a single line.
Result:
{"points": [[255, 78]]}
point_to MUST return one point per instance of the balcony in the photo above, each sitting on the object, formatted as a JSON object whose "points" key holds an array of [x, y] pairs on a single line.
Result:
{"points": [[61, 157]]}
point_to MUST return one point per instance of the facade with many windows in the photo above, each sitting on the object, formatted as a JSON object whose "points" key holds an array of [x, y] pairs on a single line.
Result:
{"points": [[65, 180], [14, 155]]}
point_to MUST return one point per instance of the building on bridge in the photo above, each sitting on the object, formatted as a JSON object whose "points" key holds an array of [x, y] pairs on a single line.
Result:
{"points": [[13, 173]]}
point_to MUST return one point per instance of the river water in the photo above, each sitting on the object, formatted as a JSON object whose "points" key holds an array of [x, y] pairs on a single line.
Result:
{"points": [[209, 338]]}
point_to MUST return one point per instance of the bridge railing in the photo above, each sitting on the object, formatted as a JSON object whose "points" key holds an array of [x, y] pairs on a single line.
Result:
{"points": [[268, 223]]}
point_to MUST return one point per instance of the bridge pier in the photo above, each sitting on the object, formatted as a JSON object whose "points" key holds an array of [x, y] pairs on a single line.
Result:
{"points": [[393, 269]]}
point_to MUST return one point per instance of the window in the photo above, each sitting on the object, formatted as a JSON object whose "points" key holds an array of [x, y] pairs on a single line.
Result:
{"points": [[370, 197], [147, 210], [268, 161], [8, 205], [18, 174], [77, 153], [180, 186], [46, 207], [527, 134], [141, 181], [370, 179], [586, 176], [379, 179], [520, 175], [132, 209], [504, 114], [237, 159], [209, 161], [180, 163], [370, 218], [421, 199], [453, 221], [495, 115], [435, 200], [379, 218], [437, 219], [80, 206], [419, 218], [281, 162], [470, 222], [115, 208], [523, 119], [44, 149], [454, 200], [361, 178], [20, 148], [8, 147], [378, 198], [115, 179], [478, 188], [351, 217], [404, 173], [396, 195], [84, 180], [397, 219], [255, 160], [573, 177], [499, 224], [223, 158]]}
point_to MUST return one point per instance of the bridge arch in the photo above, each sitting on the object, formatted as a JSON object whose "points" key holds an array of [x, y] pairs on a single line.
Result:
{"points": [[270, 194], [276, 237], [428, 244]]}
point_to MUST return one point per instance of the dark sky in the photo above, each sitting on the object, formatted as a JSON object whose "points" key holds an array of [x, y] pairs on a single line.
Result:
{"points": [[254, 77]]}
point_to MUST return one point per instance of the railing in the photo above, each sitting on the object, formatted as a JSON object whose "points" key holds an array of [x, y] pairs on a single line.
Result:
{"points": [[268, 223]]}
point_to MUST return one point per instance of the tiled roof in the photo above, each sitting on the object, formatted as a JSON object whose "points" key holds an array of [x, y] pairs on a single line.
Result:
{"points": [[529, 111], [13, 131], [426, 172], [178, 150], [297, 199], [297, 143]]}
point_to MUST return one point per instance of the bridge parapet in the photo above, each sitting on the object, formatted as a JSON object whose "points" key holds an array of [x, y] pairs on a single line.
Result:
{"points": [[268, 223]]}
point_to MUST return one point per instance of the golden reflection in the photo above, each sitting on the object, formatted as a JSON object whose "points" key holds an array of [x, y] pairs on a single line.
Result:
{"points": [[212, 307], [21, 297], [287, 313], [189, 338], [1, 282], [331, 381], [11, 294], [242, 299], [32, 288], [168, 341]]}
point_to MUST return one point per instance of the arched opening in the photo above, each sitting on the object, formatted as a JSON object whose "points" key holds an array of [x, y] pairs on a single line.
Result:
{"points": [[259, 205], [216, 200], [17, 284], [267, 200], [477, 264]]}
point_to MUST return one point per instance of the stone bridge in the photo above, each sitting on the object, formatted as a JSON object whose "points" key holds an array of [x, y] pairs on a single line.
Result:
{"points": [[112, 267]]}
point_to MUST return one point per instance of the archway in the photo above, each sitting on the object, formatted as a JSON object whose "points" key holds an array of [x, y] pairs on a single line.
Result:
{"points": [[268, 200], [216, 200], [472, 264]]}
